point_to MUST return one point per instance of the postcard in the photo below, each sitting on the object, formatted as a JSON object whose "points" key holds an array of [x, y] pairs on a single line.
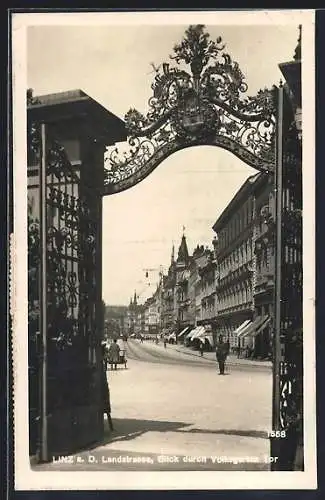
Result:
{"points": [[162, 275]]}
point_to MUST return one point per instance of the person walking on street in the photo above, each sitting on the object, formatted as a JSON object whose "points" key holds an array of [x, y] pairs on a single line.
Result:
{"points": [[114, 354], [222, 351], [201, 348], [165, 342]]}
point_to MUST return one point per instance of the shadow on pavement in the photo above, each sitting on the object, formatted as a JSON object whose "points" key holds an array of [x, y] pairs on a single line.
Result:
{"points": [[229, 432], [126, 429]]}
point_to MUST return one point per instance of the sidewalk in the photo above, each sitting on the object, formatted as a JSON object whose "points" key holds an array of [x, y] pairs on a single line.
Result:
{"points": [[232, 359]]}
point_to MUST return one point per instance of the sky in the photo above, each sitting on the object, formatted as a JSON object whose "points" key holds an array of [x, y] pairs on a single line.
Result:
{"points": [[190, 188]]}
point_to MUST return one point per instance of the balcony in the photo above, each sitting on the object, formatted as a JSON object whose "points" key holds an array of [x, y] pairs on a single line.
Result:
{"points": [[233, 276], [264, 283], [229, 310]]}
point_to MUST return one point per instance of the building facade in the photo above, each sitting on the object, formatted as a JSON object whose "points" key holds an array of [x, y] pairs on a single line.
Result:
{"points": [[197, 260], [152, 314], [168, 288], [182, 301], [208, 292], [264, 250], [114, 321], [246, 258], [234, 253]]}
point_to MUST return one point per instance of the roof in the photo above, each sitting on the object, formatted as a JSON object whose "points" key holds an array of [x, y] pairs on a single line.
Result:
{"points": [[66, 106], [183, 255], [292, 73], [239, 198]]}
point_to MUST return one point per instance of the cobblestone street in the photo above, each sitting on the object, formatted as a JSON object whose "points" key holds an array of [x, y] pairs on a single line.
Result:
{"points": [[173, 412]]}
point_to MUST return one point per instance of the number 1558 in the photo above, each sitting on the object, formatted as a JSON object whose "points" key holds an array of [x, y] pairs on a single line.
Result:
{"points": [[277, 434]]}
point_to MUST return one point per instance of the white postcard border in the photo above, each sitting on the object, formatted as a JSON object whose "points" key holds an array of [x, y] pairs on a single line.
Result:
{"points": [[25, 477]]}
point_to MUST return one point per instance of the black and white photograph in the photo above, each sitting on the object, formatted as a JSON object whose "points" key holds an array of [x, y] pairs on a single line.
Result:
{"points": [[163, 270]]}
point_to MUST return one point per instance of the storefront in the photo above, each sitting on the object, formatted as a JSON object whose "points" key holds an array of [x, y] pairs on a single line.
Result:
{"points": [[251, 337]]}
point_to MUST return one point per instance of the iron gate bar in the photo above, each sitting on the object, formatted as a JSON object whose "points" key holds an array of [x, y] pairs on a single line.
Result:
{"points": [[43, 293], [278, 263]]}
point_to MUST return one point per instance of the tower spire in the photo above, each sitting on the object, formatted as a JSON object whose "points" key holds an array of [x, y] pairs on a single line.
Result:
{"points": [[173, 254], [297, 54], [183, 254]]}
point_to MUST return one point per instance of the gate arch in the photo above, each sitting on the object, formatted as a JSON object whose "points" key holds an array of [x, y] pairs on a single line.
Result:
{"points": [[206, 106], [209, 106]]}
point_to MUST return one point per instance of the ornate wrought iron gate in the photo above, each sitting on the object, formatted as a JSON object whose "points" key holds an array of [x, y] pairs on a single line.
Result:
{"points": [[66, 411]]}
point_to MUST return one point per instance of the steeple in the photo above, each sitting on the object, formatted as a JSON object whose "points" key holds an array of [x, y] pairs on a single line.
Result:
{"points": [[183, 251], [297, 54], [135, 298], [172, 260]]}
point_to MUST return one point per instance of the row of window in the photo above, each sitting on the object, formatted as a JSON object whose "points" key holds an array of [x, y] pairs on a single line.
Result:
{"points": [[241, 255], [262, 260], [233, 298], [237, 224]]}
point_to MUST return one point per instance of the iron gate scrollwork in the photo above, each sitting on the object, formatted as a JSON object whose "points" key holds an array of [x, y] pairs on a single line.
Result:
{"points": [[205, 107]]}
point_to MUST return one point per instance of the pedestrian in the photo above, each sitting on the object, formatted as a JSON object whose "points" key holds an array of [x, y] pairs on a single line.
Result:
{"points": [[165, 342], [114, 354], [106, 400], [201, 348], [222, 351]]}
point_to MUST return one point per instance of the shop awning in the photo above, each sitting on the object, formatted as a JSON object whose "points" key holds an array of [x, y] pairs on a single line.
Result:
{"points": [[263, 325], [242, 326], [183, 332], [245, 329], [252, 329], [190, 333], [209, 338], [198, 332], [203, 333]]}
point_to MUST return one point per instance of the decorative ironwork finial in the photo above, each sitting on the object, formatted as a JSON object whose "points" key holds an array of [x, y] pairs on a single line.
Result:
{"points": [[196, 49], [206, 106], [30, 98], [297, 55]]}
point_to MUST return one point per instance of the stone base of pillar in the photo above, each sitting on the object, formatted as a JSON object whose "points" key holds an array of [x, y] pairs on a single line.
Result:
{"points": [[71, 430]]}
